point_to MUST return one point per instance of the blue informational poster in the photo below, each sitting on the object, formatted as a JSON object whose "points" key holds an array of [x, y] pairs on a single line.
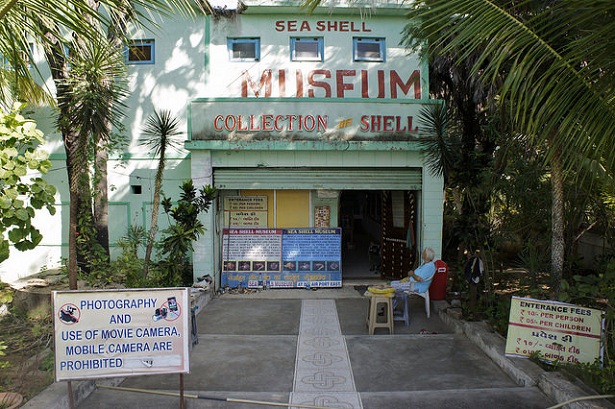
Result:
{"points": [[282, 258]]}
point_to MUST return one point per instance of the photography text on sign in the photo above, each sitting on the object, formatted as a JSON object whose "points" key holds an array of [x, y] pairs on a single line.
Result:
{"points": [[112, 333]]}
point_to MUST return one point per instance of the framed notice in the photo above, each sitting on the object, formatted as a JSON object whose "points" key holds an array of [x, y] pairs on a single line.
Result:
{"points": [[245, 211], [250, 256], [282, 258], [322, 216], [558, 331], [111, 333]]}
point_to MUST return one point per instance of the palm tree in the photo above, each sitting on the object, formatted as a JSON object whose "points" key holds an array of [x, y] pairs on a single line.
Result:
{"points": [[555, 61], [95, 88], [48, 24], [162, 128], [459, 143]]}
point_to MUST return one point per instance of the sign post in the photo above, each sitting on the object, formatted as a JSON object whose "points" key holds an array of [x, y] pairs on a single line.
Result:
{"points": [[114, 333], [558, 331]]}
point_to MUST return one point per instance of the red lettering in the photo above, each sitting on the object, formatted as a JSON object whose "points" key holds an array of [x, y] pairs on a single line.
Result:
{"points": [[299, 79], [217, 121], [282, 82], [376, 123], [322, 25], [380, 84], [414, 80], [246, 126], [291, 120], [319, 84], [230, 123], [322, 122], [267, 120], [265, 82], [364, 84], [364, 123], [388, 123], [277, 125], [309, 126], [340, 85], [410, 129]]}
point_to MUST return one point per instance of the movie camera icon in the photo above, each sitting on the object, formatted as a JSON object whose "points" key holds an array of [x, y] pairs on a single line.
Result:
{"points": [[160, 313], [68, 314]]}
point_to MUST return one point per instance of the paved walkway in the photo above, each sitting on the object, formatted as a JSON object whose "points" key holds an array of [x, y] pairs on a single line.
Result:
{"points": [[312, 348]]}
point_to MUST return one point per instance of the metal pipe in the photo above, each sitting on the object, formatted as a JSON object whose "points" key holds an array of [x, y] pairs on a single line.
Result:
{"points": [[199, 396]]}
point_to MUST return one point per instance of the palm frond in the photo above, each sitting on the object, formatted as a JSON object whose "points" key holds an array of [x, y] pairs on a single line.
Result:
{"points": [[161, 128], [435, 144], [557, 76], [94, 90], [47, 23]]}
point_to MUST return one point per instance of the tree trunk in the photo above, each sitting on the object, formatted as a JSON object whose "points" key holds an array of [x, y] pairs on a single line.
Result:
{"points": [[557, 224], [155, 210], [72, 232], [75, 169], [101, 198]]}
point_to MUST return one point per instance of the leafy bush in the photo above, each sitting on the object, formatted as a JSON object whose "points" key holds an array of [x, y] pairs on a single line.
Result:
{"points": [[596, 291], [6, 293], [3, 364]]}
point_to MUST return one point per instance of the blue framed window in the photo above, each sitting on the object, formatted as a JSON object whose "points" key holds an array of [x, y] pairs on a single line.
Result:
{"points": [[307, 49], [368, 49], [244, 49], [140, 52]]}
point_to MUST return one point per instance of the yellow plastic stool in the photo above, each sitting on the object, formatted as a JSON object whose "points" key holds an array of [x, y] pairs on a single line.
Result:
{"points": [[372, 312]]}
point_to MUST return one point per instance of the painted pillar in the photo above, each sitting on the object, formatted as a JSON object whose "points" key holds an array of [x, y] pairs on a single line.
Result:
{"points": [[204, 248], [432, 211]]}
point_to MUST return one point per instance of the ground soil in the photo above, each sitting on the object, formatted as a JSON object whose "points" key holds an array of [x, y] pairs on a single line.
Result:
{"points": [[28, 353], [26, 330]]}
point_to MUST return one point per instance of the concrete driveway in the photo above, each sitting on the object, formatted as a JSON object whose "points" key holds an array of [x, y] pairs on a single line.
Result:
{"points": [[312, 348]]}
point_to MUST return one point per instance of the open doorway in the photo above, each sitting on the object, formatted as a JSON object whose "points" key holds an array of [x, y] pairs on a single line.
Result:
{"points": [[379, 233], [360, 218]]}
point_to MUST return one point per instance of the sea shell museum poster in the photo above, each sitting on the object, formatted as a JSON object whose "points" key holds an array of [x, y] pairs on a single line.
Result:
{"points": [[282, 258]]}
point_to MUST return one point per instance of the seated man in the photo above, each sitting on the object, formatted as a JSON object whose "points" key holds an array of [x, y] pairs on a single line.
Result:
{"points": [[421, 276]]}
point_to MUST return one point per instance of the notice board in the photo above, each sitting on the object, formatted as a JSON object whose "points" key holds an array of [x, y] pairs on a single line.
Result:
{"points": [[558, 331], [111, 333], [282, 258], [245, 211]]}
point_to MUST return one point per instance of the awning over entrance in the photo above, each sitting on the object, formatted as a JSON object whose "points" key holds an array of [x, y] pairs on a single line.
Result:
{"points": [[312, 178]]}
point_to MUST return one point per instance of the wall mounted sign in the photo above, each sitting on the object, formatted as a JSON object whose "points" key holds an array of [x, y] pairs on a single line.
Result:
{"points": [[282, 258], [252, 119], [245, 211], [322, 216]]}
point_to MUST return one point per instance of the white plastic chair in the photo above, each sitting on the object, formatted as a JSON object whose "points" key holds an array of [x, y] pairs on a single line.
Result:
{"points": [[424, 295]]}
